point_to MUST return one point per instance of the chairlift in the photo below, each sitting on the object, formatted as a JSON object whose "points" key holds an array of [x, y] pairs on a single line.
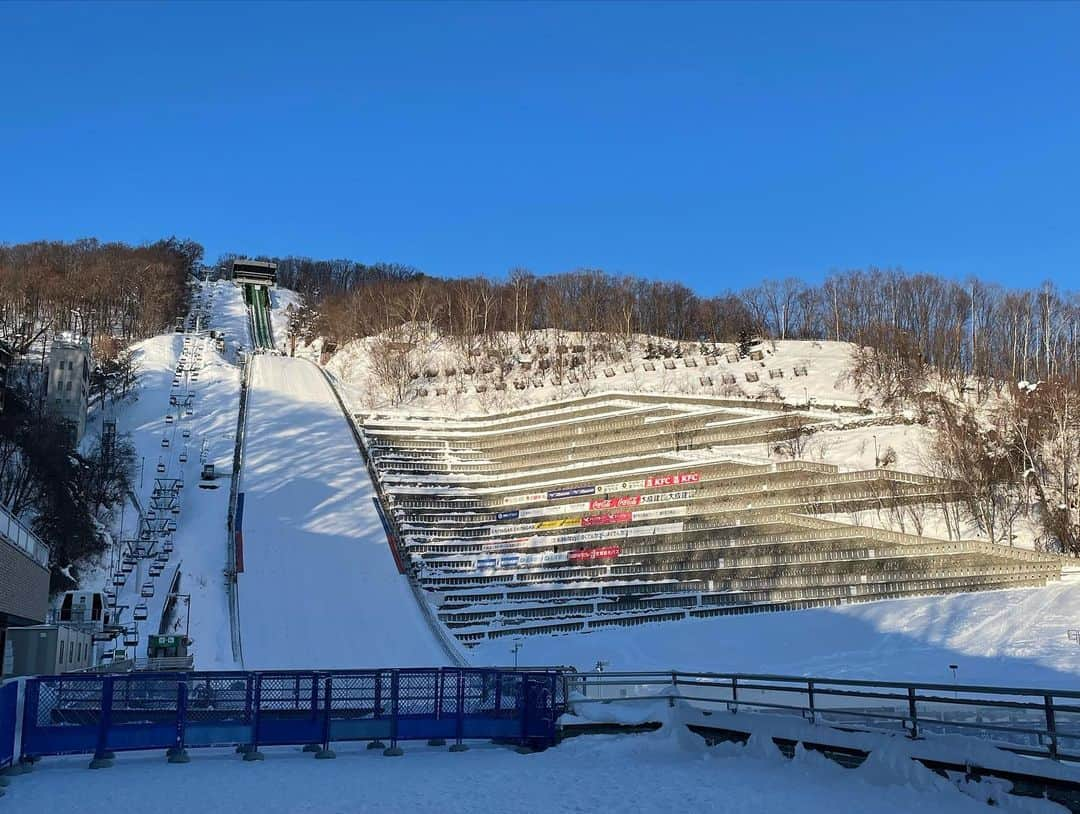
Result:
{"points": [[119, 579], [131, 637], [167, 546], [169, 418], [140, 614], [165, 442], [186, 433], [170, 525], [176, 510], [183, 457], [179, 485], [155, 570], [127, 567], [151, 514], [161, 465], [147, 590]]}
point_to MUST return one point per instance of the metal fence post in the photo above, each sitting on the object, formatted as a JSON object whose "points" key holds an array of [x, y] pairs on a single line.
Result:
{"points": [[458, 746], [1051, 725], [103, 758], [810, 700], [178, 754], [393, 750], [326, 753], [438, 741], [734, 705], [314, 701], [913, 712], [377, 711], [252, 751]]}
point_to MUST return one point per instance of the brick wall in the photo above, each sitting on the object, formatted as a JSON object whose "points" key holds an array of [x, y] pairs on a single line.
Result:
{"points": [[24, 585]]}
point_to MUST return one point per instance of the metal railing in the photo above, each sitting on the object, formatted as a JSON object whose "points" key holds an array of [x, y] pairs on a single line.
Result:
{"points": [[1029, 721], [13, 531], [234, 491], [99, 714]]}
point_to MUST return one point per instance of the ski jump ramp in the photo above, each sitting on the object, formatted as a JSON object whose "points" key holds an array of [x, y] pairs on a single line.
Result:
{"points": [[319, 587]]}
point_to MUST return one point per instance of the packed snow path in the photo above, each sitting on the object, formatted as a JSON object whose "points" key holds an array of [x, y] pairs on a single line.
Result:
{"points": [[319, 587]]}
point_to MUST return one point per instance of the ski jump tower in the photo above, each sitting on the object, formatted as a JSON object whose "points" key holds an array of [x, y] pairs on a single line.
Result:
{"points": [[257, 277]]}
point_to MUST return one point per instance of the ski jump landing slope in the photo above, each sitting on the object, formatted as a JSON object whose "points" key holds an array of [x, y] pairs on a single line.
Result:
{"points": [[319, 587]]}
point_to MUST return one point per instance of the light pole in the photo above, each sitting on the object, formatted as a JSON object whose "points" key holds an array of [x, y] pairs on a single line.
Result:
{"points": [[877, 458], [515, 649]]}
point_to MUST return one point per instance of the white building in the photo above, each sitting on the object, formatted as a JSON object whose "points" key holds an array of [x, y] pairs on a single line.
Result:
{"points": [[69, 380]]}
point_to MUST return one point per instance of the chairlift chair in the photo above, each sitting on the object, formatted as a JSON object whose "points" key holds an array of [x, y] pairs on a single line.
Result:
{"points": [[155, 570], [131, 637], [176, 510], [151, 514], [140, 614], [183, 457], [169, 419], [165, 442], [167, 546], [127, 567], [119, 579], [161, 465], [147, 590], [186, 433], [170, 525]]}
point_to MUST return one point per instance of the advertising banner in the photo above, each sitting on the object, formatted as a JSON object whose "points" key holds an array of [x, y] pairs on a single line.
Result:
{"points": [[591, 554]]}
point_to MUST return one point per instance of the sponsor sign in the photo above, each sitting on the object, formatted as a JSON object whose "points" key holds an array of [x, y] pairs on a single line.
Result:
{"points": [[574, 491], [656, 514], [534, 497], [561, 523], [621, 486], [507, 516], [590, 554], [607, 519], [667, 497], [672, 480], [615, 502]]}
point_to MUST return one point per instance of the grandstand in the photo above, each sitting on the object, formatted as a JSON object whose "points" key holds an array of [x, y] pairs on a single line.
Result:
{"points": [[623, 509]]}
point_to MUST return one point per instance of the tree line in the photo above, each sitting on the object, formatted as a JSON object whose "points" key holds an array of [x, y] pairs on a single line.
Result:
{"points": [[97, 289]]}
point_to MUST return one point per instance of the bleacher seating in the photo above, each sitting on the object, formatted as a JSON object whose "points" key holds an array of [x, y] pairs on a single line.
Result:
{"points": [[625, 509]]}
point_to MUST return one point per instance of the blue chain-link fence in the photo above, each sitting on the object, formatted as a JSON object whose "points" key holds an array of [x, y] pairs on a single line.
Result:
{"points": [[100, 714], [9, 703]]}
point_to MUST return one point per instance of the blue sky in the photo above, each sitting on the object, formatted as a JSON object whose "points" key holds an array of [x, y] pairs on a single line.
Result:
{"points": [[714, 144]]}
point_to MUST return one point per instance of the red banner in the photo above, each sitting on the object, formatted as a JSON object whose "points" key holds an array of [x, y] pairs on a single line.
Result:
{"points": [[606, 519], [589, 554], [615, 502], [672, 480]]}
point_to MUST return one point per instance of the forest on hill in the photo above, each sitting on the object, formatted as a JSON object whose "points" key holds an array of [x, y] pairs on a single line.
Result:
{"points": [[996, 371], [114, 294]]}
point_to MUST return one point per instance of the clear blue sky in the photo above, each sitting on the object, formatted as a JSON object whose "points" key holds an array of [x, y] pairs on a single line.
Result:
{"points": [[715, 144]]}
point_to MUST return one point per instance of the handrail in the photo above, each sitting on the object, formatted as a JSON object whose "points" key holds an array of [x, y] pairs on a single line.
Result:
{"points": [[16, 534], [1027, 720], [234, 491]]}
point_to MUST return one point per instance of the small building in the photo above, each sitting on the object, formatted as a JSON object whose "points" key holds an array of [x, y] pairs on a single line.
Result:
{"points": [[68, 381], [254, 272], [24, 575], [46, 650]]}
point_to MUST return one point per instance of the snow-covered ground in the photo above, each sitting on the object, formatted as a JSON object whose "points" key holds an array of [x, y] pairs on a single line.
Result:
{"points": [[669, 770], [319, 587], [1017, 637], [200, 537]]}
